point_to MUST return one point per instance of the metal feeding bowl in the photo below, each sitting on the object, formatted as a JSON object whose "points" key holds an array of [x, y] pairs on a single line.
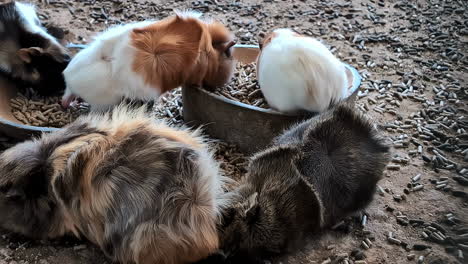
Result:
{"points": [[249, 127], [9, 125]]}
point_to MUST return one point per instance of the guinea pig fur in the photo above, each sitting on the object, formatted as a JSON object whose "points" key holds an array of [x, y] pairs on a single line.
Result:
{"points": [[312, 176], [143, 192], [296, 73], [145, 59], [28, 54]]}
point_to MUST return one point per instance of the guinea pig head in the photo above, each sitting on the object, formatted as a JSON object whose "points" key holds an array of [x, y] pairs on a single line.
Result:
{"points": [[221, 63], [248, 227], [27, 205], [44, 67]]}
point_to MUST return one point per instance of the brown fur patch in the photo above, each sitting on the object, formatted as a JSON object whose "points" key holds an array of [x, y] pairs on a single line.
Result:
{"points": [[166, 49], [179, 136], [61, 155], [93, 203], [183, 51], [219, 34]]}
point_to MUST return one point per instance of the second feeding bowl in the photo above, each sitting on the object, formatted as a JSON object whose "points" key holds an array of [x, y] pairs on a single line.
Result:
{"points": [[249, 127]]}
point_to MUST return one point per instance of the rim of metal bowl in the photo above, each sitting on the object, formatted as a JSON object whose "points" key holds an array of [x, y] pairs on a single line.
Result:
{"points": [[37, 129]]}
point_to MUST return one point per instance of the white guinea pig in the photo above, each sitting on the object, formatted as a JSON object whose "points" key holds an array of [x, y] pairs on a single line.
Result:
{"points": [[145, 59], [296, 73]]}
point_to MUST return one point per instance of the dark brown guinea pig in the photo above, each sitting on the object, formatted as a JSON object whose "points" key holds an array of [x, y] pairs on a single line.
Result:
{"points": [[143, 192], [28, 54], [312, 176]]}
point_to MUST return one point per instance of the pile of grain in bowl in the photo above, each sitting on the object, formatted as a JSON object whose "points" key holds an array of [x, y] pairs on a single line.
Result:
{"points": [[244, 87], [31, 109]]}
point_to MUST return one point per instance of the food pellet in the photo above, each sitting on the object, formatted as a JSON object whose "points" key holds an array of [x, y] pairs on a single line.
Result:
{"points": [[394, 241], [416, 178], [364, 245], [368, 242], [32, 109], [420, 259], [393, 167], [244, 87]]}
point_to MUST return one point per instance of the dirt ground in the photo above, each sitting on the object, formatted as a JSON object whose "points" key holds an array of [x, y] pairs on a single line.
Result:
{"points": [[413, 57]]}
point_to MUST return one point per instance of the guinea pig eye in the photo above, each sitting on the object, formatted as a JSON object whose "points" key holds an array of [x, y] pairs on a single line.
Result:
{"points": [[14, 195]]}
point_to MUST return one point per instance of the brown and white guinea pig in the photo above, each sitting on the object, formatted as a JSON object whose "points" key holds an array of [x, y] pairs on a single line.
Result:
{"points": [[313, 175], [28, 54], [297, 73], [143, 192], [145, 59]]}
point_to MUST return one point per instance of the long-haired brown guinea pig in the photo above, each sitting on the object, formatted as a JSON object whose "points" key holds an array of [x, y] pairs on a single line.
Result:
{"points": [[312, 176], [143, 192], [145, 59], [29, 55]]}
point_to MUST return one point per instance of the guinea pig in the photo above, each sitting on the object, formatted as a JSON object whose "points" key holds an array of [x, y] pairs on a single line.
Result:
{"points": [[297, 73], [145, 59], [312, 176], [142, 191], [28, 54]]}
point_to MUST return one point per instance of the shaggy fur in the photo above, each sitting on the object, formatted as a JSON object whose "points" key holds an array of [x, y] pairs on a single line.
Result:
{"points": [[299, 73], [28, 54], [145, 59], [143, 192], [312, 176]]}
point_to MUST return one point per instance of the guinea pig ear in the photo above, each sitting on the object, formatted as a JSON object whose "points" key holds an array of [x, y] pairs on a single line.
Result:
{"points": [[252, 208], [26, 54], [260, 39], [225, 47]]}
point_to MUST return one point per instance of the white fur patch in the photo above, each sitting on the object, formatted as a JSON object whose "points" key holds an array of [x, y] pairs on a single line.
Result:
{"points": [[186, 13], [300, 73], [102, 73], [28, 13]]}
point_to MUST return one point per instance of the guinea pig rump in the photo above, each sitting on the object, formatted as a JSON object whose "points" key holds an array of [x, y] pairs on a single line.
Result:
{"points": [[166, 51]]}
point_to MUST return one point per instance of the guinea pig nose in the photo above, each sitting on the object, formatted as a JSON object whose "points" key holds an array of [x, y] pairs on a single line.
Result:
{"points": [[66, 58]]}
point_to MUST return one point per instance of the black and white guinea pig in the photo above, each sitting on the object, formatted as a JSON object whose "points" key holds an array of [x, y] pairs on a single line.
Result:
{"points": [[28, 54]]}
